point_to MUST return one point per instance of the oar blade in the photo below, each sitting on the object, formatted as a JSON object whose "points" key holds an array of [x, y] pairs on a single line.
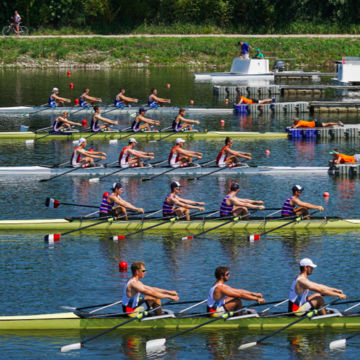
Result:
{"points": [[187, 238], [29, 142], [94, 180], [337, 344], [68, 308], [52, 238], [52, 203], [66, 348], [253, 238], [116, 238], [151, 344], [44, 180], [145, 179], [248, 345]]}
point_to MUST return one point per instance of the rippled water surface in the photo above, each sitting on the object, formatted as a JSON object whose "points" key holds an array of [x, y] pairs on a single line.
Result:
{"points": [[83, 269]]}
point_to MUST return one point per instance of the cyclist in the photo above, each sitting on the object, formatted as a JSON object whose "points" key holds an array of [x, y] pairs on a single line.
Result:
{"points": [[17, 19]]}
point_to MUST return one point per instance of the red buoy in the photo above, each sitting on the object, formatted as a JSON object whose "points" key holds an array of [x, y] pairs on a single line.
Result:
{"points": [[123, 265], [222, 122], [267, 152], [326, 194], [68, 73], [192, 102], [71, 85], [91, 150], [226, 100], [76, 101], [168, 85], [105, 194], [84, 122]]}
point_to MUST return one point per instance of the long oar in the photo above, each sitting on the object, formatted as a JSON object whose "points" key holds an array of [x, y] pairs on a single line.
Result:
{"points": [[160, 342], [39, 111], [77, 346], [342, 343], [165, 172], [81, 109], [52, 203], [115, 172], [173, 219], [165, 137], [253, 238], [306, 316], [29, 142], [65, 173]]}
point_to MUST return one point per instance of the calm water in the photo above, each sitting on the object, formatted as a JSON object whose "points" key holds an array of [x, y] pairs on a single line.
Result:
{"points": [[83, 269]]}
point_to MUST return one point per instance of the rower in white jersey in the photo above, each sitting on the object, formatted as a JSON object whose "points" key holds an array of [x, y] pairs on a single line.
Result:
{"points": [[63, 123], [182, 124], [121, 100], [126, 161], [97, 117], [183, 205], [179, 157], [55, 100], [233, 206], [299, 301], [113, 205], [154, 101], [135, 127], [89, 156], [227, 156], [138, 297], [223, 298], [86, 100]]}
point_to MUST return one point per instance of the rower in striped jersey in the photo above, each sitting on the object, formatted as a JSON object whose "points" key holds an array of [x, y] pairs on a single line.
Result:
{"points": [[135, 127], [232, 205], [289, 208], [227, 156], [114, 205], [76, 159], [183, 205]]}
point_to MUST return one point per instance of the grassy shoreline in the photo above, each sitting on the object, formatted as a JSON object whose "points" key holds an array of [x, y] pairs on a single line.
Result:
{"points": [[150, 52]]}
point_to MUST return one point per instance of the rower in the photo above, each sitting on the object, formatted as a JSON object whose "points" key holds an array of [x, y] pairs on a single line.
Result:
{"points": [[55, 100], [243, 100], [183, 205], [63, 123], [186, 123], [85, 96], [154, 101], [76, 159], [299, 301], [232, 205], [289, 208], [147, 122], [175, 158], [95, 119], [132, 301], [223, 298], [342, 158], [114, 205], [124, 159], [227, 156], [312, 124], [121, 100]]}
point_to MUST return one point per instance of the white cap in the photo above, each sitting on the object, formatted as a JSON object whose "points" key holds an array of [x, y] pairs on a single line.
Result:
{"points": [[131, 140], [81, 140], [55, 89], [179, 140], [307, 262]]}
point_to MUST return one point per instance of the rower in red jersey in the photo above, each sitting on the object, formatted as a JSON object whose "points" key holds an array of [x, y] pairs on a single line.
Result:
{"points": [[76, 159], [178, 156], [227, 156], [125, 160]]}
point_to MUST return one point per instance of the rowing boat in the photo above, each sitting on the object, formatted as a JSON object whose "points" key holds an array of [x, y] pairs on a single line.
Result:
{"points": [[194, 225], [146, 135], [44, 170], [72, 321]]}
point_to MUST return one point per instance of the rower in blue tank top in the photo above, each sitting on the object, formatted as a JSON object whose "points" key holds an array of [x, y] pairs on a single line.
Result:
{"points": [[121, 100], [55, 100], [85, 97], [154, 101]]}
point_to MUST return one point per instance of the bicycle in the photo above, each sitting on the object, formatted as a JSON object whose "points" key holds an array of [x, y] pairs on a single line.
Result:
{"points": [[11, 30]]}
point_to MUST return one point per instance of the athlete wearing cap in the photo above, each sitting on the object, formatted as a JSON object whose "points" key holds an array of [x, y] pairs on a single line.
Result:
{"points": [[55, 100], [231, 205], [114, 205], [63, 123], [125, 160], [186, 123], [312, 124], [178, 156], [183, 205], [121, 100], [154, 101], [222, 298], [243, 100], [85, 96], [76, 159], [299, 301], [342, 158], [96, 118], [135, 127], [227, 156]]}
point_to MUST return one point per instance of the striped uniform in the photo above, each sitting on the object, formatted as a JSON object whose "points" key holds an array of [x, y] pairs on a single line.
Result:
{"points": [[167, 208], [225, 209], [221, 158], [287, 208], [105, 207]]}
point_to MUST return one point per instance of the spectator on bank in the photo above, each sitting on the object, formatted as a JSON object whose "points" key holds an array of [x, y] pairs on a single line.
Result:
{"points": [[258, 54], [245, 50], [16, 23]]}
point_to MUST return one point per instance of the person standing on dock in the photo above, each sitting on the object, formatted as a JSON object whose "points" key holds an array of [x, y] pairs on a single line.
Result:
{"points": [[121, 100], [132, 300], [243, 100], [96, 118], [299, 301], [154, 101], [76, 159], [135, 127], [223, 298], [124, 159], [85, 96], [258, 54], [55, 100], [227, 156], [289, 209], [186, 123], [312, 124], [63, 123], [245, 50], [342, 158], [178, 156], [183, 205]]}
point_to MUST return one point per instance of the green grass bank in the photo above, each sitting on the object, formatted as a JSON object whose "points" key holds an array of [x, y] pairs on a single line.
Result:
{"points": [[140, 52]]}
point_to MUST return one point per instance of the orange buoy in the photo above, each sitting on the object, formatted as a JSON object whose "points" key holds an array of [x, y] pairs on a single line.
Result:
{"points": [[192, 102], [168, 85], [222, 122], [326, 194], [267, 152]]}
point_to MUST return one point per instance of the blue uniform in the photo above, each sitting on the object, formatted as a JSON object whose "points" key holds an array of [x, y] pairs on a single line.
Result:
{"points": [[287, 208], [152, 103], [52, 102], [118, 103], [82, 101]]}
